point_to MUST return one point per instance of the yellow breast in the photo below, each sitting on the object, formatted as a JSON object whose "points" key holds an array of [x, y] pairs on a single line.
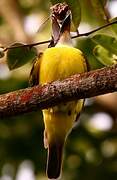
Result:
{"points": [[61, 62]]}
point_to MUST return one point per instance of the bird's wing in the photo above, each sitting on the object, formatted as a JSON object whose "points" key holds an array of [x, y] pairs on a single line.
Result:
{"points": [[34, 74]]}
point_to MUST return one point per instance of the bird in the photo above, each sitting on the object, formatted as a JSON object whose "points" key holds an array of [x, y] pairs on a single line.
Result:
{"points": [[58, 63]]}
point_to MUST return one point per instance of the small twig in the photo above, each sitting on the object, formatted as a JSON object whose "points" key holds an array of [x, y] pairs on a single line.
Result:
{"points": [[79, 86], [48, 41], [27, 45], [95, 30]]}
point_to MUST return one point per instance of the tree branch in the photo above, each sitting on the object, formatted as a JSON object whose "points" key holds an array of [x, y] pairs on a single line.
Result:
{"points": [[78, 86], [75, 36]]}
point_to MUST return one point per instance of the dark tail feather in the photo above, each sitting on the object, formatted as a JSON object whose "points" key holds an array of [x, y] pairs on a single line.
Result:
{"points": [[54, 162]]}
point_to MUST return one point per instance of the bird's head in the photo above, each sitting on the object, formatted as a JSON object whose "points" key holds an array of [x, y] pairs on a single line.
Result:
{"points": [[61, 20]]}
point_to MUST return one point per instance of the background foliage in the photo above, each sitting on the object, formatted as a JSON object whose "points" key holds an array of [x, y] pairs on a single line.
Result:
{"points": [[91, 150]]}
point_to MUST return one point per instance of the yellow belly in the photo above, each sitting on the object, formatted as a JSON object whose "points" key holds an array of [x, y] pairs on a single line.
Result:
{"points": [[60, 63]]}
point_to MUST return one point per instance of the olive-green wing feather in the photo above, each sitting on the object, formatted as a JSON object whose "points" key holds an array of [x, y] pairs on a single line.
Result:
{"points": [[34, 74]]}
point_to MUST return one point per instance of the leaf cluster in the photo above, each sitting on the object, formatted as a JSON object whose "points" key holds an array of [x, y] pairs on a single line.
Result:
{"points": [[99, 49]]}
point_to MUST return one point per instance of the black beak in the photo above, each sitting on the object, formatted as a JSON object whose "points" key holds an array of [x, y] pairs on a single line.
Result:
{"points": [[55, 29], [66, 22], [59, 27]]}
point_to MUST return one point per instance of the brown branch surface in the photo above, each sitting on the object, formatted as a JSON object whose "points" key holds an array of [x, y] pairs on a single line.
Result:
{"points": [[79, 86]]}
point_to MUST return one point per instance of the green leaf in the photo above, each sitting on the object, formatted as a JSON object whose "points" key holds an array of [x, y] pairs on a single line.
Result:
{"points": [[103, 2], [108, 42], [75, 9], [103, 55], [87, 46], [56, 1], [98, 6], [19, 56], [114, 26]]}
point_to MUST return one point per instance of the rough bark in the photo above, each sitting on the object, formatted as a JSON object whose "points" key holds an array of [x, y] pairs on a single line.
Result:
{"points": [[79, 86]]}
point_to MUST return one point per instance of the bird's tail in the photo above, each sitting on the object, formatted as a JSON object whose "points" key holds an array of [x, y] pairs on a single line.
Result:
{"points": [[54, 162]]}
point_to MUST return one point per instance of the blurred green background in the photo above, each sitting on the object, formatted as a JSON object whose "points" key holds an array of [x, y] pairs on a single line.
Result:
{"points": [[91, 149]]}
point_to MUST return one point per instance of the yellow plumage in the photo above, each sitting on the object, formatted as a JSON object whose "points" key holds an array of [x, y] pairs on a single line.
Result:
{"points": [[58, 63]]}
